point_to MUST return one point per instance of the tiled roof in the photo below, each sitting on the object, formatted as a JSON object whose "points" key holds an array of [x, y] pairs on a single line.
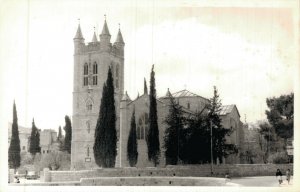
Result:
{"points": [[225, 109], [184, 93]]}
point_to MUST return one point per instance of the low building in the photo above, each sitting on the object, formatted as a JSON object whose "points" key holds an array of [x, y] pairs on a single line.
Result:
{"points": [[24, 136], [48, 139]]}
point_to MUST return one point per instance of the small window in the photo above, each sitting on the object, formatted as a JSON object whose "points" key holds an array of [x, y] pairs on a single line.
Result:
{"points": [[85, 81], [43, 151], [88, 151], [23, 148], [88, 126], [85, 74], [95, 68], [95, 72], [89, 104], [117, 76], [95, 80], [85, 69]]}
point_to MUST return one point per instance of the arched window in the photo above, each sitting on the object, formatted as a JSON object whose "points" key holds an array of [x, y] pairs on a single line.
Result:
{"points": [[95, 68], [85, 74], [95, 73], [89, 105], [117, 76], [143, 126]]}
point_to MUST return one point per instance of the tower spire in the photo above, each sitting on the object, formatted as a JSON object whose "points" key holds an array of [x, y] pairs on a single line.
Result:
{"points": [[105, 35], [119, 37], [94, 40], [105, 30], [78, 33]]}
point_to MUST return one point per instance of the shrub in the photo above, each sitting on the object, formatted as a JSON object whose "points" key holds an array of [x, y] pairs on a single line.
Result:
{"points": [[278, 158], [55, 161]]}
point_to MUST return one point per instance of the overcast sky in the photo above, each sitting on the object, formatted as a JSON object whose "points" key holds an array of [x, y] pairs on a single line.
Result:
{"points": [[248, 53]]}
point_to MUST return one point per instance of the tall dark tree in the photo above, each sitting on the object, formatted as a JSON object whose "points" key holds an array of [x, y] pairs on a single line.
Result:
{"points": [[132, 153], [105, 134], [281, 115], [196, 149], [14, 158], [172, 138], [219, 133], [34, 146], [153, 133], [68, 134]]}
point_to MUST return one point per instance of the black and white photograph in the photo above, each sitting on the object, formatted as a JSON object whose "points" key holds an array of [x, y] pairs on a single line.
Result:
{"points": [[195, 95]]}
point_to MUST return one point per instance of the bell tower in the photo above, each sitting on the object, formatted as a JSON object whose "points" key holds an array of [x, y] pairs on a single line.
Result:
{"points": [[91, 64]]}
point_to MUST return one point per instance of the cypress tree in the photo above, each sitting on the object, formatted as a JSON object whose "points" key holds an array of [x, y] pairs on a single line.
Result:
{"points": [[153, 133], [68, 134], [14, 158], [105, 133], [132, 153], [34, 146], [172, 140]]}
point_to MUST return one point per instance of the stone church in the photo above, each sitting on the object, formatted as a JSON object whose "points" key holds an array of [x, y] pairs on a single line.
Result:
{"points": [[91, 63]]}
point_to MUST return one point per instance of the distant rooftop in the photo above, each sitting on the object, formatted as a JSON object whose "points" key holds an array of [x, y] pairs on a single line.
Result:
{"points": [[186, 93], [225, 109]]}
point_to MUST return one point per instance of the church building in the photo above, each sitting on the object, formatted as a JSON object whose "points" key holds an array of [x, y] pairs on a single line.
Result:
{"points": [[91, 63]]}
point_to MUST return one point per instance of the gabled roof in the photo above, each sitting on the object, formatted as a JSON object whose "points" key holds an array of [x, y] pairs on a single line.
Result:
{"points": [[225, 109], [186, 93]]}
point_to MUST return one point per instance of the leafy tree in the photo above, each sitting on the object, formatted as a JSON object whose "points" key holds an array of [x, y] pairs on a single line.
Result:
{"points": [[132, 153], [105, 134], [68, 134], [34, 146], [14, 158], [220, 148], [281, 115], [274, 143], [153, 133], [172, 139]]}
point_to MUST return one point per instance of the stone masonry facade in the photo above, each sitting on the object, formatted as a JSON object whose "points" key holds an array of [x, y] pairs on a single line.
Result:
{"points": [[91, 64]]}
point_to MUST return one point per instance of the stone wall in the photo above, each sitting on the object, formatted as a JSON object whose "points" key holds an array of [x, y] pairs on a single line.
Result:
{"points": [[153, 181], [238, 170]]}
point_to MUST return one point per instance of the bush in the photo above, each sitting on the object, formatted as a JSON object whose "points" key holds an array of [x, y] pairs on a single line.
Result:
{"points": [[56, 161], [278, 158], [26, 158]]}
